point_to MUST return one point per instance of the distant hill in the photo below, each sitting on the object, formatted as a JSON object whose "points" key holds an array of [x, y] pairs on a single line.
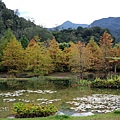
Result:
{"points": [[69, 24], [112, 23]]}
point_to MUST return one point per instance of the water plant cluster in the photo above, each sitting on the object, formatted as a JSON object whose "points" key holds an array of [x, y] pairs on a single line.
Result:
{"points": [[97, 103], [109, 83], [22, 110], [12, 96]]}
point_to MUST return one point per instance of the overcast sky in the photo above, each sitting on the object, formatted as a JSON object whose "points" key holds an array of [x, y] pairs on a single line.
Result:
{"points": [[49, 13]]}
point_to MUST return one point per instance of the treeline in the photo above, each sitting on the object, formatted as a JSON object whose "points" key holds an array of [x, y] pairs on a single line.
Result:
{"points": [[79, 34], [42, 58]]}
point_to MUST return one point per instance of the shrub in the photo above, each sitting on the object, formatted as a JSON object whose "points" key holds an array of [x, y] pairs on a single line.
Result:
{"points": [[117, 111], [84, 83], [61, 117], [90, 76], [21, 110], [110, 83], [59, 82]]}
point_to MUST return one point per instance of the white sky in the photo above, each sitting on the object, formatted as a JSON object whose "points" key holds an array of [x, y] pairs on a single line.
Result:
{"points": [[50, 13]]}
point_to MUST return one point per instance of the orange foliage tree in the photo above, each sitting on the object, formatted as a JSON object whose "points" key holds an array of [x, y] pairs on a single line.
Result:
{"points": [[79, 58], [106, 43], [56, 55], [97, 57]]}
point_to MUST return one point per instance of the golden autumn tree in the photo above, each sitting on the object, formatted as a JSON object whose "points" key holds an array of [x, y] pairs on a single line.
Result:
{"points": [[55, 54], [97, 57], [65, 58], [79, 58], [13, 56], [105, 43], [38, 62], [114, 59]]}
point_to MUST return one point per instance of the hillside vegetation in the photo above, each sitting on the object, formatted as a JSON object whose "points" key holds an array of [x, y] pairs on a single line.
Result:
{"points": [[19, 25]]}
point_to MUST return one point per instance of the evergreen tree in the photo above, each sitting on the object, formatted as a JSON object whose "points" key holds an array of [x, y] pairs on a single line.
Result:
{"points": [[24, 41]]}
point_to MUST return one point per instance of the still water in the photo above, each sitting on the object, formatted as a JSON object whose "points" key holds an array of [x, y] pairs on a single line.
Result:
{"points": [[77, 99]]}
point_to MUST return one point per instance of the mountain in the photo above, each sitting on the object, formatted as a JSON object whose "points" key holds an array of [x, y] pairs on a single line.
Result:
{"points": [[69, 24], [112, 23]]}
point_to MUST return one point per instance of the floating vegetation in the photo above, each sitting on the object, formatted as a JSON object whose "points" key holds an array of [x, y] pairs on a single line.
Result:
{"points": [[4, 109], [97, 103], [18, 93]]}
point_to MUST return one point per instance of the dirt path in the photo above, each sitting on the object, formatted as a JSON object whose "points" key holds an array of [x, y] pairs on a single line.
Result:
{"points": [[60, 74]]}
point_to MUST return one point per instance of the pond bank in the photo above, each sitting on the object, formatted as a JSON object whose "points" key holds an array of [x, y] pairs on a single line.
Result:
{"points": [[107, 116]]}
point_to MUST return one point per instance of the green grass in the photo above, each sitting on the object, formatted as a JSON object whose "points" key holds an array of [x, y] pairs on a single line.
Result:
{"points": [[108, 116]]}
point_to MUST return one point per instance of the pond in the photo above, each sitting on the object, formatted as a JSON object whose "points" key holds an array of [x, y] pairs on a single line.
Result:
{"points": [[68, 100]]}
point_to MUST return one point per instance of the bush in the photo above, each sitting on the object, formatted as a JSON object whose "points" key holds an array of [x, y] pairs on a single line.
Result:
{"points": [[21, 110], [91, 76], [61, 117], [84, 83], [110, 83], [117, 111], [13, 83], [60, 82]]}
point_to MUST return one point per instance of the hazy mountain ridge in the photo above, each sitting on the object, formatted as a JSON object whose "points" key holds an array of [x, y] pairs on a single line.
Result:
{"points": [[112, 23], [68, 24]]}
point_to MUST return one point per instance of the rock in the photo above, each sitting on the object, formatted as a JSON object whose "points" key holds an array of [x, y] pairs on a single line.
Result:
{"points": [[11, 117], [60, 113], [76, 114], [87, 114], [83, 114]]}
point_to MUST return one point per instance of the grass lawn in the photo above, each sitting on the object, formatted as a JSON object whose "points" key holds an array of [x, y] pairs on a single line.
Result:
{"points": [[108, 116]]}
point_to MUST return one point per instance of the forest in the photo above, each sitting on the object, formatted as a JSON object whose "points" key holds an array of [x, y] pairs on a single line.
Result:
{"points": [[42, 58], [26, 47]]}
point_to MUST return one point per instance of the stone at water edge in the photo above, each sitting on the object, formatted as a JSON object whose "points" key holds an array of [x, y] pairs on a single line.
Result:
{"points": [[87, 114], [59, 113], [11, 117], [76, 114], [83, 114]]}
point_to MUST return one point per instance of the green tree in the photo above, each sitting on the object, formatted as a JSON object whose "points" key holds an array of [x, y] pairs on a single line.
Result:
{"points": [[24, 41], [2, 28], [3, 43], [64, 45], [42, 33]]}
